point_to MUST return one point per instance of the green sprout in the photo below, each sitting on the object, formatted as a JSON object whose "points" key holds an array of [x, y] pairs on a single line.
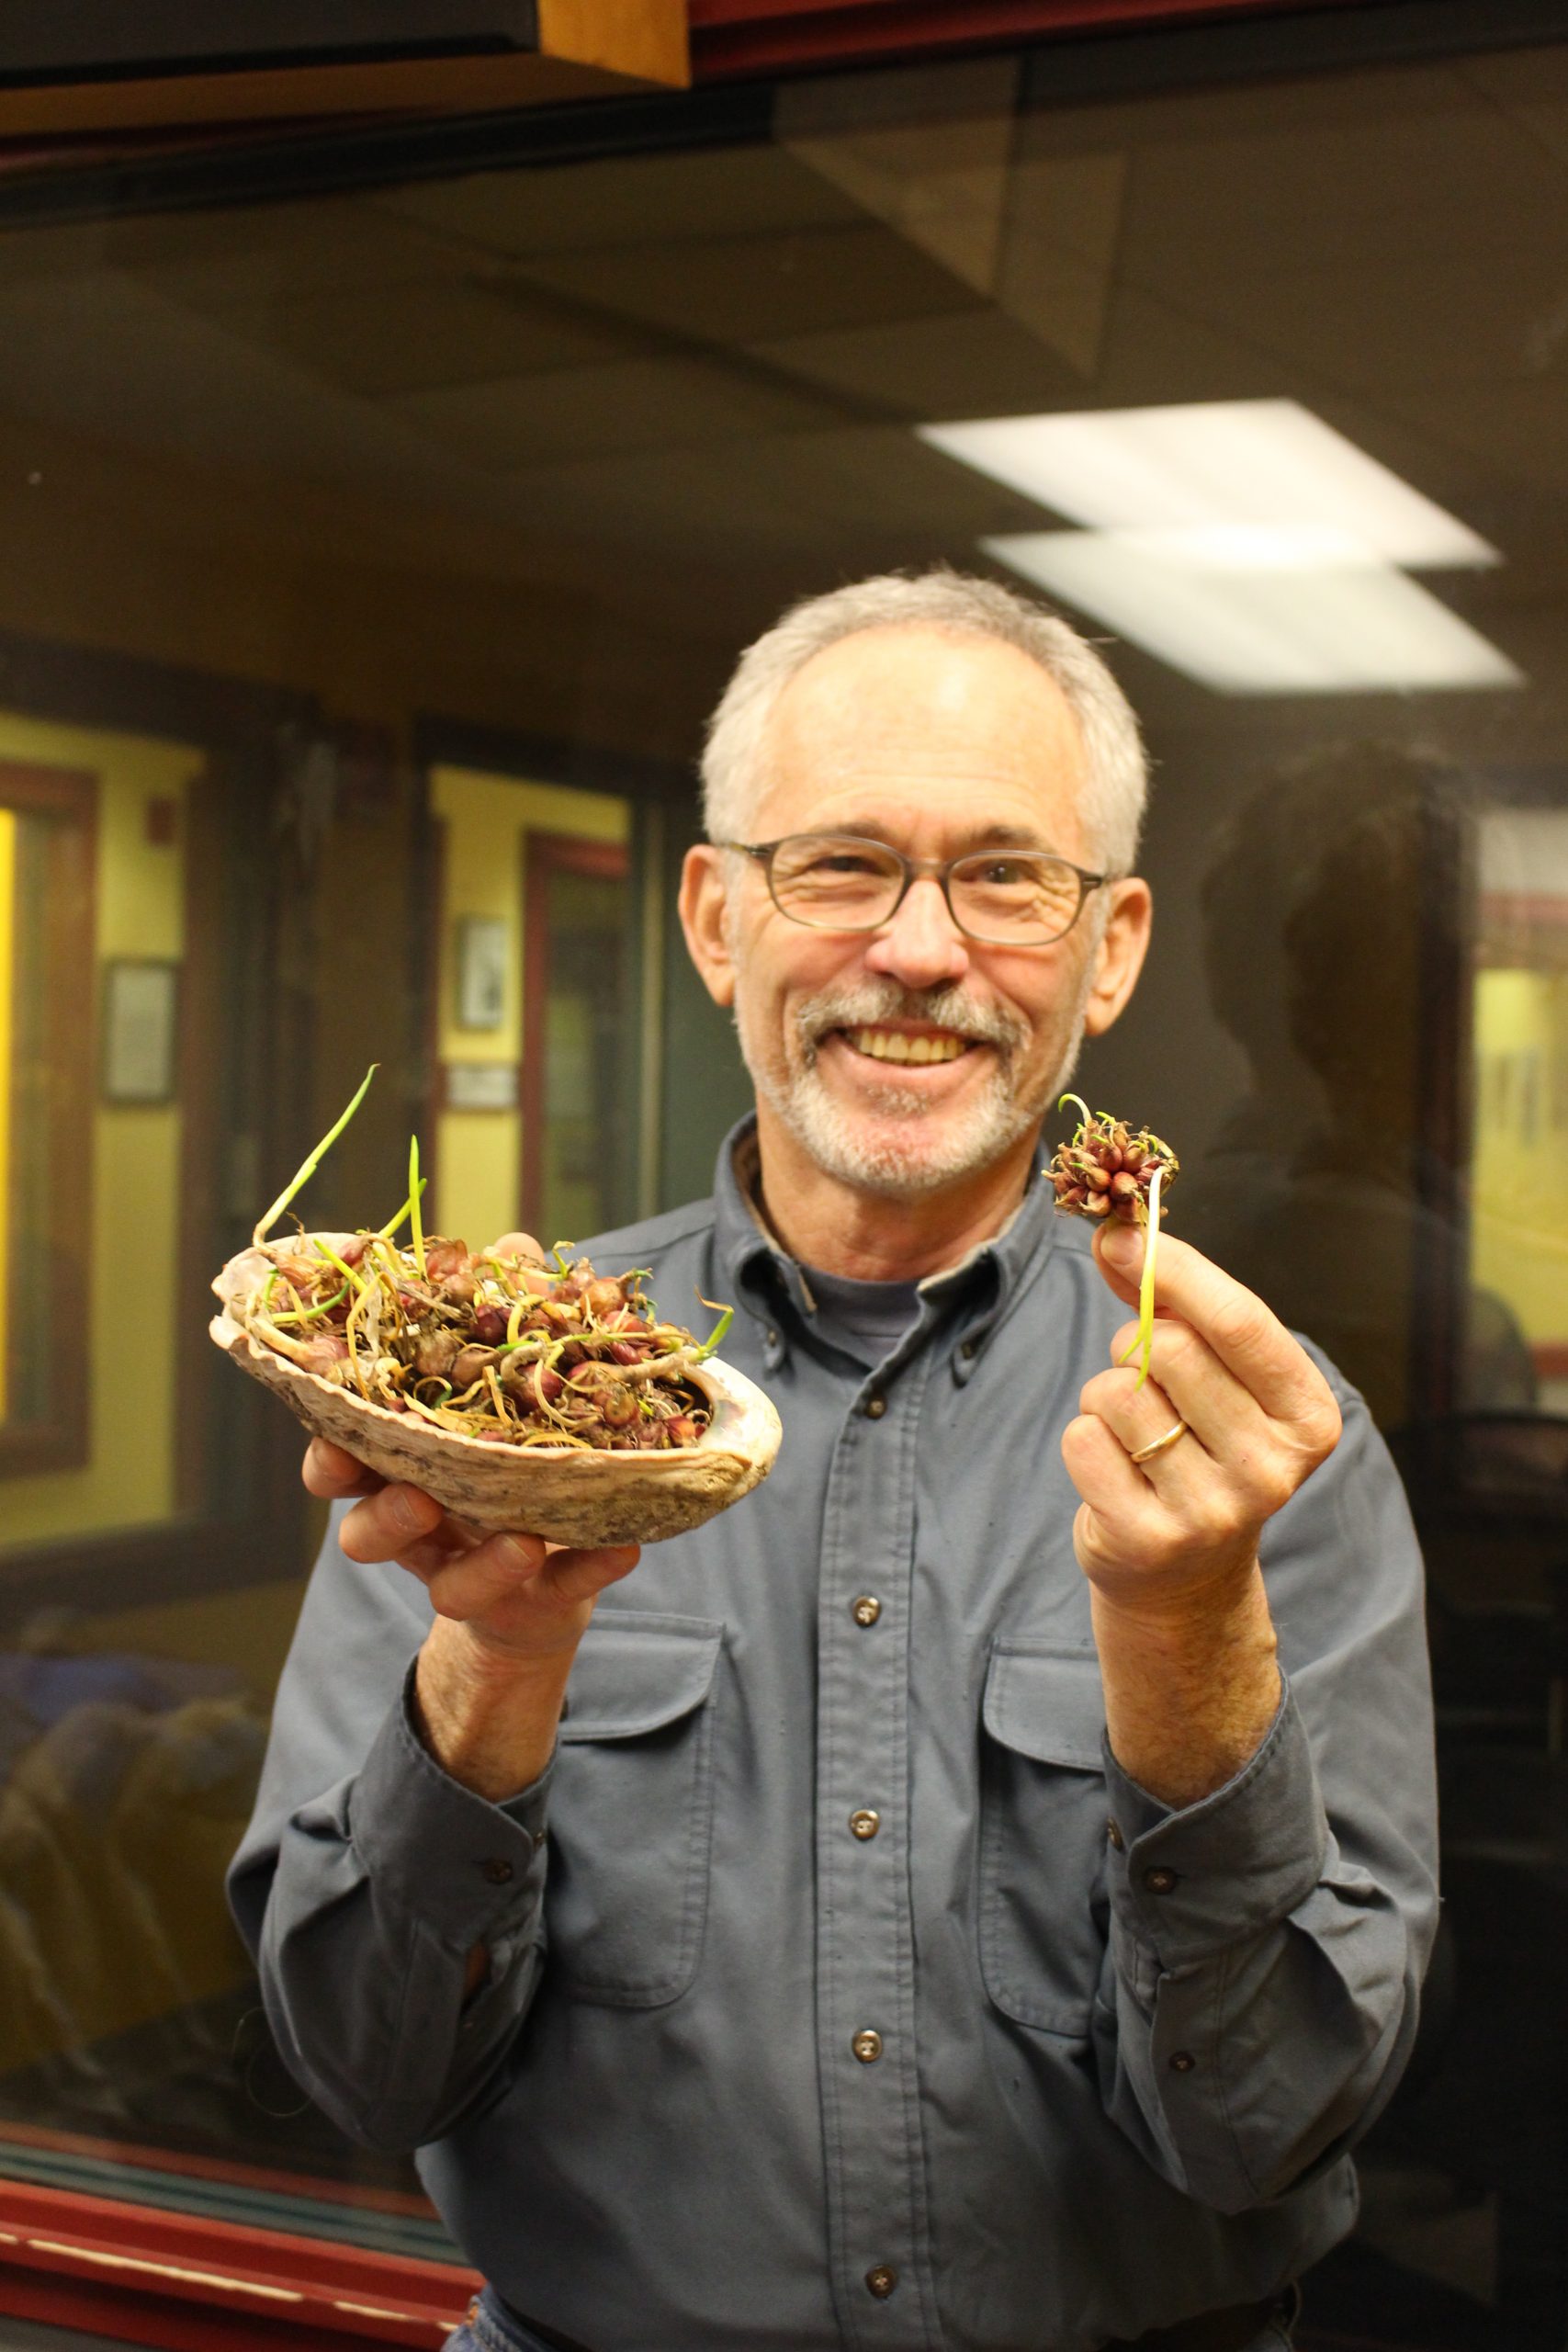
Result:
{"points": [[1144, 1338], [311, 1163], [415, 1189], [407, 1209], [708, 1347]]}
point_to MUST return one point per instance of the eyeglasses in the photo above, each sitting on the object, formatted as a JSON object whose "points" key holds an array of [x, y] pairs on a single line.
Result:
{"points": [[1012, 898]]}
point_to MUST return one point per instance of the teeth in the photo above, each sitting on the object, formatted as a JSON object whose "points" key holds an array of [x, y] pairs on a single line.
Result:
{"points": [[893, 1045]]}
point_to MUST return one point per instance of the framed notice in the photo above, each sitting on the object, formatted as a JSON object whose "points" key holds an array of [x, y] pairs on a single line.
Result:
{"points": [[141, 1028], [482, 1086], [482, 971]]}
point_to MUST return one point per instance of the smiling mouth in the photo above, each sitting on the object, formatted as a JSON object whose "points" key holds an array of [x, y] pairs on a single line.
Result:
{"points": [[901, 1045]]}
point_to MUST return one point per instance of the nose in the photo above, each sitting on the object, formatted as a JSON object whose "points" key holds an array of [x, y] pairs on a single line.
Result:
{"points": [[921, 947]]}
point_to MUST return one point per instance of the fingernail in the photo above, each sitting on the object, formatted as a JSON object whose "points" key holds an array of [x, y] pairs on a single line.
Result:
{"points": [[516, 1553], [1124, 1247]]}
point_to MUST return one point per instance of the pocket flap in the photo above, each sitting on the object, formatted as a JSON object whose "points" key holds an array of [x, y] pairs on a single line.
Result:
{"points": [[1045, 1700], [636, 1670]]}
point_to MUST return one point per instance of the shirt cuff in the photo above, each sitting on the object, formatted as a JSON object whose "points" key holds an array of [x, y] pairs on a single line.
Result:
{"points": [[472, 1869], [1187, 1883]]}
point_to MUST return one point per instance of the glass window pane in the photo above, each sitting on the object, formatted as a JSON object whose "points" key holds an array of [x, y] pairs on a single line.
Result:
{"points": [[374, 557]]}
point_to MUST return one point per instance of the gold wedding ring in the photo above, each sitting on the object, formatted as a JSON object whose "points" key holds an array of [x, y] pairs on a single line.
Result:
{"points": [[1148, 1453]]}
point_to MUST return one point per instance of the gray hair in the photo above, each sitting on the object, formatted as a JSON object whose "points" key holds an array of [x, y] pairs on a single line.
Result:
{"points": [[959, 606]]}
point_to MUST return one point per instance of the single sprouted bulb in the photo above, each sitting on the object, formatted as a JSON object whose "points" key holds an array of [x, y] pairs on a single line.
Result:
{"points": [[1107, 1172]]}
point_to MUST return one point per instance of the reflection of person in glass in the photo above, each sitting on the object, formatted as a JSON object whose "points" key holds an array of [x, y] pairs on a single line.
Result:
{"points": [[976, 1891], [1332, 916]]}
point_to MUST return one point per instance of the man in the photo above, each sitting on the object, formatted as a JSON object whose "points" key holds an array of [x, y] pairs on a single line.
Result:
{"points": [[971, 1893]]}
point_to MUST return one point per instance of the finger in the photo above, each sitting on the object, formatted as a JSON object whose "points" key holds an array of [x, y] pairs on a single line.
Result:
{"points": [[1225, 1416], [1127, 1519], [1247, 1338], [450, 1540], [577, 1575], [1139, 1417], [331, 1473], [510, 1579], [388, 1522], [516, 1245]]}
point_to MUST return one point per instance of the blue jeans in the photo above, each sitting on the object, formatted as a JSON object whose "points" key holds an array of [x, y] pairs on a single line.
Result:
{"points": [[489, 2327]]}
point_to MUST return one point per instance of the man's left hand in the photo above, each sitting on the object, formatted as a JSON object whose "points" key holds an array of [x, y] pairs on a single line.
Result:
{"points": [[1179, 1531], [1181, 1619]]}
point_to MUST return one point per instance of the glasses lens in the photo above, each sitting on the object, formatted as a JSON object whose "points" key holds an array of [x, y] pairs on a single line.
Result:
{"points": [[1015, 895], [834, 882]]}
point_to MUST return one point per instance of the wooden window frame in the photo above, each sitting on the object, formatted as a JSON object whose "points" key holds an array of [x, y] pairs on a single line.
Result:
{"points": [[68, 800]]}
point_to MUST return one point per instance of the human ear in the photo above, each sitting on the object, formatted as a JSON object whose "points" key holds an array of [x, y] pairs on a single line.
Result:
{"points": [[1119, 957], [702, 906]]}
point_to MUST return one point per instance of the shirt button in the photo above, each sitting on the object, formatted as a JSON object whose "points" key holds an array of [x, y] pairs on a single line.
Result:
{"points": [[866, 1610], [1182, 2062], [874, 1408], [498, 1873], [867, 2045], [1113, 1833], [882, 2280], [1159, 1881], [866, 1824]]}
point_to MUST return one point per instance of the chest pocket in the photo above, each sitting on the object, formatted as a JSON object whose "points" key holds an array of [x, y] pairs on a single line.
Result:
{"points": [[1043, 1908], [631, 1810]]}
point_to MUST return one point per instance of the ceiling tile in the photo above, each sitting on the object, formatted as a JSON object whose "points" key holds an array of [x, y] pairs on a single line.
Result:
{"points": [[628, 199], [642, 404], [742, 289], [926, 369], [399, 338], [245, 254]]}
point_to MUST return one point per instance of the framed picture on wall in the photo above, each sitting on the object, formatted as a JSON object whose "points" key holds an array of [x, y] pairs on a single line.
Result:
{"points": [[140, 1030], [482, 971]]}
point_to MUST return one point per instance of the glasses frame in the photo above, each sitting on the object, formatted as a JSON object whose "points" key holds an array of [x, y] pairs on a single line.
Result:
{"points": [[940, 869]]}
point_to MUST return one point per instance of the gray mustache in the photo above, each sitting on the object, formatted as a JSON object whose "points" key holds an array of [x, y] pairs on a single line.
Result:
{"points": [[943, 1008]]}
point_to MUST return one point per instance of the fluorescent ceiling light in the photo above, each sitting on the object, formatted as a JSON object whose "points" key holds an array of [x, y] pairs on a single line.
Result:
{"points": [[1268, 465], [1345, 626]]}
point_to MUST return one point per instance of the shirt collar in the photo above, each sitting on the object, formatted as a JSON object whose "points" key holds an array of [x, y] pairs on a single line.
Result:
{"points": [[975, 1294]]}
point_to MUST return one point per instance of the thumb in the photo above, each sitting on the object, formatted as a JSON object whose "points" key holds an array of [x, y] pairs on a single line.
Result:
{"points": [[1119, 1253]]}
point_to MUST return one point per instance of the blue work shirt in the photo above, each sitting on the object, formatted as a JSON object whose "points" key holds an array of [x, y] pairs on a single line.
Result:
{"points": [[842, 1989]]}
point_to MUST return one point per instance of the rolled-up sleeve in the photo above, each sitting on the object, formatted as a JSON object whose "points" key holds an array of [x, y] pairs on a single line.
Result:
{"points": [[1269, 1942], [368, 1876]]}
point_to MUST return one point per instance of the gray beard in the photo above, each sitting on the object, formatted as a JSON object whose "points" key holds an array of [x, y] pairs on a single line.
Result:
{"points": [[896, 1167]]}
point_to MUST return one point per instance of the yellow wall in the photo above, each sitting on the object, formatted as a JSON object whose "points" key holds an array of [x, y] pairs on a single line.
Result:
{"points": [[129, 1477], [7, 958], [1520, 1198], [486, 817]]}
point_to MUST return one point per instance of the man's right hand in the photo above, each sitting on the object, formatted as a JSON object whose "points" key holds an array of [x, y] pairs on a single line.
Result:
{"points": [[510, 1611]]}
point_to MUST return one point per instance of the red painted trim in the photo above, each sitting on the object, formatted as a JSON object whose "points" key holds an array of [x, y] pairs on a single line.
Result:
{"points": [[61, 2253], [544, 854], [151, 2158], [734, 38], [1520, 909]]}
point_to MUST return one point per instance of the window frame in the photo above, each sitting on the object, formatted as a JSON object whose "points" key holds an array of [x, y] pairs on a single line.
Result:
{"points": [[545, 855], [66, 799]]}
